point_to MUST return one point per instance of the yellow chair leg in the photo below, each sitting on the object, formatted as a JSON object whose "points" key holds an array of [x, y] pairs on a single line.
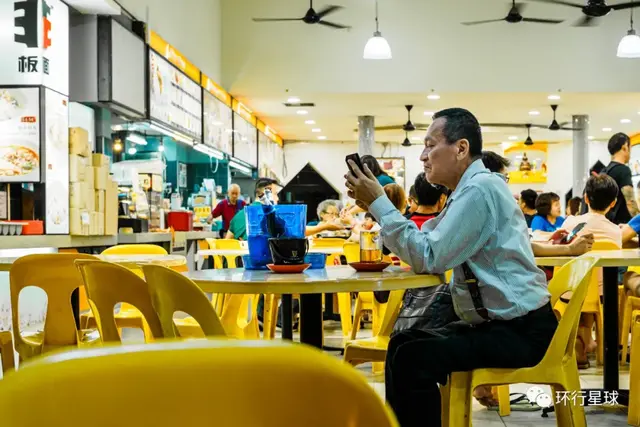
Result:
{"points": [[504, 400], [357, 315], [270, 316], [624, 333], [634, 378], [344, 307], [6, 351], [460, 399], [445, 392]]}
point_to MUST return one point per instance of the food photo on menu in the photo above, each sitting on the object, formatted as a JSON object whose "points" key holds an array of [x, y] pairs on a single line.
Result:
{"points": [[19, 135]]}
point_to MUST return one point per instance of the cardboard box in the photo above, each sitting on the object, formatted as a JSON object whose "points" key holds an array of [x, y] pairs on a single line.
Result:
{"points": [[111, 209], [98, 160], [93, 226], [79, 142], [100, 224], [99, 196], [100, 177], [89, 178], [79, 222], [89, 197], [75, 195], [77, 168]]}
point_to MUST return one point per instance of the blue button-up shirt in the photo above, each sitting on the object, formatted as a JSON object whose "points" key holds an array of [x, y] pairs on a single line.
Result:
{"points": [[482, 225]]}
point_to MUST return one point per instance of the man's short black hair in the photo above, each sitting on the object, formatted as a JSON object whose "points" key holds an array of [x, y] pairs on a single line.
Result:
{"points": [[601, 190], [262, 183], [544, 202], [461, 124], [529, 198], [426, 193], [617, 141], [495, 162]]}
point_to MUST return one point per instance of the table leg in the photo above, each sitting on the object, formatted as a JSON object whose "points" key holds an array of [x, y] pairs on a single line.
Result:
{"points": [[311, 320], [611, 340], [287, 317]]}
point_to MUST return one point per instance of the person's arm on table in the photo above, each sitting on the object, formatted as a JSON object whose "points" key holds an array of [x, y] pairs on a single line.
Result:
{"points": [[630, 230], [451, 243], [579, 246], [216, 212], [315, 229]]}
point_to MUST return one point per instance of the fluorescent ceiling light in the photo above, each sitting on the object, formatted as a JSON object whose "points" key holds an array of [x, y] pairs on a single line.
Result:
{"points": [[553, 97], [590, 137], [302, 112], [433, 97], [534, 113], [431, 113], [293, 100], [211, 152], [172, 134], [606, 129], [322, 137], [313, 122], [316, 130], [136, 139], [234, 164], [624, 121], [132, 151], [513, 138]]}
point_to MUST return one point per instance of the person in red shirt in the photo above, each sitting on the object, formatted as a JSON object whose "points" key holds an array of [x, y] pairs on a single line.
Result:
{"points": [[228, 207], [430, 200]]}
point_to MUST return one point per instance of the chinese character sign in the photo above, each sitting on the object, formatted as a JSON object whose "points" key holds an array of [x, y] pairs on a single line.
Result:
{"points": [[34, 43]]}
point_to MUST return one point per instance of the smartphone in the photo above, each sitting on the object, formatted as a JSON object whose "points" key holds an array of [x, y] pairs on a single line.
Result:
{"points": [[569, 238], [356, 159]]}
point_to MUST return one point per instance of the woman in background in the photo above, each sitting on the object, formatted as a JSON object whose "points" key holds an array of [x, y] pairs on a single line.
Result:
{"points": [[374, 167], [573, 206]]}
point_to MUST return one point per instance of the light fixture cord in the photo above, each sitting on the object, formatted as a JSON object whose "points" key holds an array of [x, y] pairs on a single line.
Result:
{"points": [[377, 16]]}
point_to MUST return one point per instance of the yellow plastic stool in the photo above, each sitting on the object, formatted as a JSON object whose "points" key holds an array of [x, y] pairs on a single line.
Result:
{"points": [[228, 383], [634, 375], [172, 292], [558, 368], [109, 284], [56, 275]]}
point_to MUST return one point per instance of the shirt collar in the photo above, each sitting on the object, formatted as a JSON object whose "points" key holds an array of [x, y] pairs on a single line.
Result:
{"points": [[474, 168]]}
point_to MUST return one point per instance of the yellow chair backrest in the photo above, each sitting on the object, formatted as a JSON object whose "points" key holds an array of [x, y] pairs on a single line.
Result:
{"points": [[135, 250], [327, 242], [193, 383], [573, 277], [225, 244], [593, 294], [351, 252], [109, 284], [172, 292], [56, 275]]}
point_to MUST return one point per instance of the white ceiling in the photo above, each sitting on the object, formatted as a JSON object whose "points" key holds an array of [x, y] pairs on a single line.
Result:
{"points": [[498, 71]]}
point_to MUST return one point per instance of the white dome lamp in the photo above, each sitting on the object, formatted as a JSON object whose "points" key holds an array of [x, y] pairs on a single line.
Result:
{"points": [[377, 47], [629, 46]]}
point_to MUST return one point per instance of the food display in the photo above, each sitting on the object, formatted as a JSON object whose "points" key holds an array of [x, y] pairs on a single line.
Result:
{"points": [[174, 98], [20, 135]]}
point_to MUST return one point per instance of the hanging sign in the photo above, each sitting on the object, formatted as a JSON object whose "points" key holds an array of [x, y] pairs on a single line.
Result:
{"points": [[528, 163]]}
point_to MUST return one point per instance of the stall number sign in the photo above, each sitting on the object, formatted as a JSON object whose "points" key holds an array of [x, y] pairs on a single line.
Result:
{"points": [[36, 52]]}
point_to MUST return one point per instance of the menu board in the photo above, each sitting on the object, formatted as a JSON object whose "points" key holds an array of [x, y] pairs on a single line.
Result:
{"points": [[57, 163], [20, 135], [218, 125], [245, 144], [174, 99], [266, 152]]}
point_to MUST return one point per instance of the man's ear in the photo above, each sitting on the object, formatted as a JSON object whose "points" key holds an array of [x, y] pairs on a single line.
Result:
{"points": [[463, 148]]}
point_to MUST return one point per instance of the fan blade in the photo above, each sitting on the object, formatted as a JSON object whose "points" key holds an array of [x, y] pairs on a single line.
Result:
{"points": [[586, 21], [562, 2], [511, 125], [563, 128], [327, 10], [276, 19], [543, 21], [333, 25], [393, 127], [483, 22], [625, 5]]}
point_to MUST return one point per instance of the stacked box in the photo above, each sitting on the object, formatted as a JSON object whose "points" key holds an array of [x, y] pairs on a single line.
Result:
{"points": [[79, 222], [111, 208], [77, 168], [79, 142], [100, 177], [98, 160], [99, 197]]}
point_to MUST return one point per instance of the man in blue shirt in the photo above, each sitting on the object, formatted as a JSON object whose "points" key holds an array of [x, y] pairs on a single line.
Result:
{"points": [[498, 293]]}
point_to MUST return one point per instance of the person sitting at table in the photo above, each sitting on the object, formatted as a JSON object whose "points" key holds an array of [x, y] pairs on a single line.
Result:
{"points": [[527, 204], [601, 194], [431, 200], [573, 206], [328, 212], [412, 202], [374, 166], [496, 286], [548, 218]]}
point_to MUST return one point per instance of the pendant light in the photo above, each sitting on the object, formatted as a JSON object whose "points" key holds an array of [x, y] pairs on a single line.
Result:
{"points": [[377, 47], [629, 46]]}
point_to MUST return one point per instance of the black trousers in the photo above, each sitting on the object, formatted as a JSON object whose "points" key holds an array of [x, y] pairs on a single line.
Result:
{"points": [[418, 361]]}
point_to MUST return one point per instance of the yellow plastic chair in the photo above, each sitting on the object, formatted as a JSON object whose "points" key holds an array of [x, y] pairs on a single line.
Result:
{"points": [[193, 383], [109, 284], [628, 305], [6, 351], [127, 316], [172, 292], [558, 367], [240, 316], [225, 244], [56, 275], [634, 374], [374, 349]]}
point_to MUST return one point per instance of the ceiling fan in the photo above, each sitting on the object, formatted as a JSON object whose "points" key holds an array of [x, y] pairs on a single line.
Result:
{"points": [[409, 126], [528, 141], [593, 10], [311, 17], [554, 126], [406, 142], [515, 15]]}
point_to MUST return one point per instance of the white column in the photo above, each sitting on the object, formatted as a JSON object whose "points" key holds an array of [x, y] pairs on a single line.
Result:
{"points": [[580, 153], [366, 135]]}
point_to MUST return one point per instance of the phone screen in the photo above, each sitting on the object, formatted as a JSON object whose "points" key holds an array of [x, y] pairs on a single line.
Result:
{"points": [[574, 232]]}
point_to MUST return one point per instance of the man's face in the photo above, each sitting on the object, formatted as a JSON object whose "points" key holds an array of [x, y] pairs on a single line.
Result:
{"points": [[330, 214], [440, 159], [234, 194]]}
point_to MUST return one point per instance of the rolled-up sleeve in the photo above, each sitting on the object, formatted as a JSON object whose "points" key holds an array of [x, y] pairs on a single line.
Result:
{"points": [[463, 229]]}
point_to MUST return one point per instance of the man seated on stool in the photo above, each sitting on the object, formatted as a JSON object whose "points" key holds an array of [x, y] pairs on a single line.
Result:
{"points": [[481, 232]]}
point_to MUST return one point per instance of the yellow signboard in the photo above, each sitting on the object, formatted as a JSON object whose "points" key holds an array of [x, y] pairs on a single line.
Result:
{"points": [[269, 132], [244, 112], [215, 90], [528, 163], [172, 55]]}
